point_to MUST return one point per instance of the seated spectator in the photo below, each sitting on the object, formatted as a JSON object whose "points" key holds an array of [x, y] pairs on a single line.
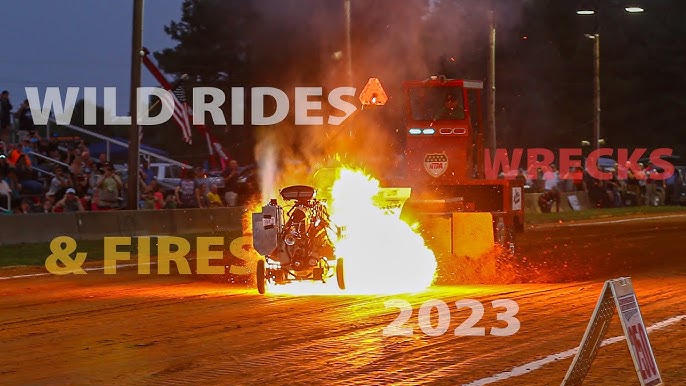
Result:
{"points": [[213, 199], [14, 184], [44, 207], [203, 202], [70, 202], [152, 197], [59, 183], [28, 147], [25, 207], [170, 202], [86, 161], [13, 154], [26, 177]]}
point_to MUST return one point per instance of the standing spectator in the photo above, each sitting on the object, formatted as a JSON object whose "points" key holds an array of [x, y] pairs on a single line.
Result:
{"points": [[551, 183], [5, 191], [26, 126], [4, 166], [81, 179], [651, 188], [520, 177], [613, 189], [231, 175], [187, 192], [203, 202], [670, 188], [5, 116], [100, 165], [633, 188], [578, 181], [109, 187], [146, 172]]}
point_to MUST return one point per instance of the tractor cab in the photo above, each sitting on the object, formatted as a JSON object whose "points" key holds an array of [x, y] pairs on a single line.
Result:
{"points": [[443, 128]]}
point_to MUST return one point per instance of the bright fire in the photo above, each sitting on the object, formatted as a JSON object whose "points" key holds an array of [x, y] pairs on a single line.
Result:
{"points": [[382, 254]]}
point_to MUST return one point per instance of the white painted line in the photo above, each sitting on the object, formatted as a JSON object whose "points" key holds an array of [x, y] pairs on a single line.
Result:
{"points": [[85, 269], [591, 222], [537, 364]]}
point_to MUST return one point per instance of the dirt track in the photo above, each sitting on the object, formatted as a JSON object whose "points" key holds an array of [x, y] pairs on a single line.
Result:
{"points": [[131, 329]]}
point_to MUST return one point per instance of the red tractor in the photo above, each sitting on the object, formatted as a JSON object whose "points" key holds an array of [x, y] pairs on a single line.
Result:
{"points": [[445, 168]]}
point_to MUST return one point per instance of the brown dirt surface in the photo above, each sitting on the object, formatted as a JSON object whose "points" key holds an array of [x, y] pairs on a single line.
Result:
{"points": [[174, 329]]}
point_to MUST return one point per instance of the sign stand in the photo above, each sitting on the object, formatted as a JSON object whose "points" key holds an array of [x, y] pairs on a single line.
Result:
{"points": [[617, 294]]}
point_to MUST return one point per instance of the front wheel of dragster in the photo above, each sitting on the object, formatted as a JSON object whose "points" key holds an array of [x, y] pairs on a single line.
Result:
{"points": [[261, 280], [339, 273]]}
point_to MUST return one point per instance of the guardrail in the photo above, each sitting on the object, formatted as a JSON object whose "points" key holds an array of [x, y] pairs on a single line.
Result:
{"points": [[130, 223]]}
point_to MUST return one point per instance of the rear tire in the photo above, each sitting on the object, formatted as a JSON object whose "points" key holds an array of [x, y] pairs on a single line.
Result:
{"points": [[261, 281], [340, 278]]}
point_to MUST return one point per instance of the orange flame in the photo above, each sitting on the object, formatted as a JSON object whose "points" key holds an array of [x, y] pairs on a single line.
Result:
{"points": [[382, 254]]}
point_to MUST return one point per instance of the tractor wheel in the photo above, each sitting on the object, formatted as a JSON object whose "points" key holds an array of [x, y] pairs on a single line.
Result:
{"points": [[261, 280], [339, 273]]}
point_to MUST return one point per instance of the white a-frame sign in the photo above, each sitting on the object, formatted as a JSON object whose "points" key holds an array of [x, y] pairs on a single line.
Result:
{"points": [[617, 294]]}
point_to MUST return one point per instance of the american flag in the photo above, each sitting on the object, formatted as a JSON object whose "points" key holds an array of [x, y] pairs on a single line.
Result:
{"points": [[181, 111], [182, 115]]}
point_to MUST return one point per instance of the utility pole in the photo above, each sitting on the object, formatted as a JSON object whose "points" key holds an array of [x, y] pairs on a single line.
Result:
{"points": [[348, 44], [491, 82], [134, 138]]}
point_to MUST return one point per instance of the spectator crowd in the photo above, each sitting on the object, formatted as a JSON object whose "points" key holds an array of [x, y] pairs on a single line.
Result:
{"points": [[639, 187], [59, 174]]}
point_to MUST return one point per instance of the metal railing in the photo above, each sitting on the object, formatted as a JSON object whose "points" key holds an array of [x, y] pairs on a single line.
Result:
{"points": [[48, 158], [9, 202], [109, 141]]}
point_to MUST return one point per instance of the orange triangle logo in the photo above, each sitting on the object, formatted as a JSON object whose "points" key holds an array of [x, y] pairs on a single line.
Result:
{"points": [[373, 93]]}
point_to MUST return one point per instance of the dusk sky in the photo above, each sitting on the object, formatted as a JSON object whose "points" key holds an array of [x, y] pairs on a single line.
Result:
{"points": [[77, 43]]}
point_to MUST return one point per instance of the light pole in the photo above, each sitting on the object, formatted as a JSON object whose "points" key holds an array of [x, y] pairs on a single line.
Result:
{"points": [[596, 68], [596, 89], [491, 80], [348, 44]]}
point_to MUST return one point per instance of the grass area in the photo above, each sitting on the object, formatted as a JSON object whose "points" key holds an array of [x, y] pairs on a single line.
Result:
{"points": [[591, 214], [36, 253]]}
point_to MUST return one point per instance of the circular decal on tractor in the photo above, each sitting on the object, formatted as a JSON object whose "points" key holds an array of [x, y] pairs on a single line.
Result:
{"points": [[435, 164]]}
